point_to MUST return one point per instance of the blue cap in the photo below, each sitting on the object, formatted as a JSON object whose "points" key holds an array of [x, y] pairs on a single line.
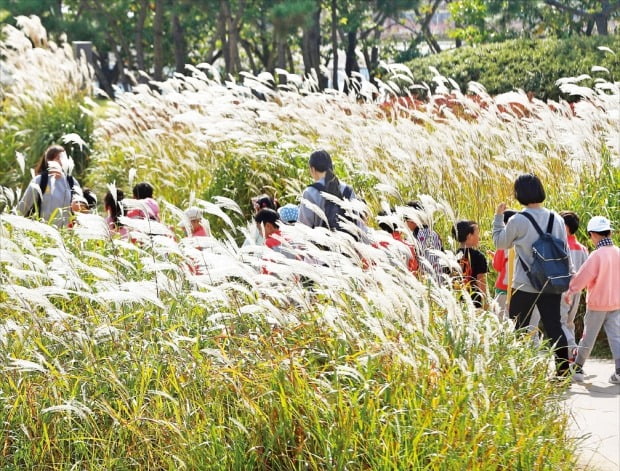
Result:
{"points": [[289, 213]]}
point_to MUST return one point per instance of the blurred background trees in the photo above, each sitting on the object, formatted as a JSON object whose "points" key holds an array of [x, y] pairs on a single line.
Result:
{"points": [[139, 40]]}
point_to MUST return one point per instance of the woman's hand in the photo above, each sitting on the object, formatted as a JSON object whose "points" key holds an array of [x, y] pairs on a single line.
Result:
{"points": [[54, 169], [500, 208]]}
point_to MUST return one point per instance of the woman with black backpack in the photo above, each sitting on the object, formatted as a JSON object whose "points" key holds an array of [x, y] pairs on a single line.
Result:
{"points": [[52, 191], [523, 231], [322, 172]]}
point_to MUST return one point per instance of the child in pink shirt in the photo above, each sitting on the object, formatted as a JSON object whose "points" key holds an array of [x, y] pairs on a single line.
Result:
{"points": [[149, 208], [600, 275]]}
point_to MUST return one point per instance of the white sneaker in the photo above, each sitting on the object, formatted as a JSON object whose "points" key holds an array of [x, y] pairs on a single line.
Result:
{"points": [[578, 374], [614, 378]]}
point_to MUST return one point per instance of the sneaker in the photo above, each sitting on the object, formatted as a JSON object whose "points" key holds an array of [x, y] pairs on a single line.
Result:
{"points": [[614, 378], [578, 374]]}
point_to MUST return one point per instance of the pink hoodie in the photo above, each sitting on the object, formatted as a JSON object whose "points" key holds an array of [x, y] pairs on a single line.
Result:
{"points": [[600, 274]]}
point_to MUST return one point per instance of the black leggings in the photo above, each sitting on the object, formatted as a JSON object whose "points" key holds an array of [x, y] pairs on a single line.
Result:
{"points": [[521, 305]]}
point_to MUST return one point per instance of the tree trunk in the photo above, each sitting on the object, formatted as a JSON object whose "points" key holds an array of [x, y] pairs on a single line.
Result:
{"points": [[180, 46], [158, 41], [289, 59], [351, 64], [249, 51], [105, 75], [432, 42], [139, 45], [602, 22], [311, 43], [425, 26], [372, 57], [230, 40], [281, 57], [335, 45]]}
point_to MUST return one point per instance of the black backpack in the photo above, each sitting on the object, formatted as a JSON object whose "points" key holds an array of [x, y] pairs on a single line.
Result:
{"points": [[550, 270], [334, 213], [35, 209]]}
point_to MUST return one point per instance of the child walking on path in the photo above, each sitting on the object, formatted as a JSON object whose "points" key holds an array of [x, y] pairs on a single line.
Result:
{"points": [[578, 255], [600, 275]]}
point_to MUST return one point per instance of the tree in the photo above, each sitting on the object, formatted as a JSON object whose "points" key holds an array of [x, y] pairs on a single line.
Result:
{"points": [[594, 12], [361, 26], [480, 21], [311, 44]]}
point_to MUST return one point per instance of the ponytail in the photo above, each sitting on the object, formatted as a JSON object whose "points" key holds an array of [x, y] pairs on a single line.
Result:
{"points": [[332, 184], [321, 161]]}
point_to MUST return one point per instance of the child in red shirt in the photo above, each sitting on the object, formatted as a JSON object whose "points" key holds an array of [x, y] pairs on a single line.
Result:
{"points": [[268, 224], [500, 264], [199, 227]]}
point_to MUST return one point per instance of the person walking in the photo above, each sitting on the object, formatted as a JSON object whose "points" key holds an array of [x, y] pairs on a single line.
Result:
{"points": [[325, 181], [600, 275], [578, 255], [52, 192], [520, 233]]}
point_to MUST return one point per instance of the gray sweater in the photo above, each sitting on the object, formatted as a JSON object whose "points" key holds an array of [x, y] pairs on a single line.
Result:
{"points": [[57, 196], [308, 216], [521, 234]]}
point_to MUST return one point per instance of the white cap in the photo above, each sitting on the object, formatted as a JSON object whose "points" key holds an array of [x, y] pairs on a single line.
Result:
{"points": [[599, 224], [193, 213]]}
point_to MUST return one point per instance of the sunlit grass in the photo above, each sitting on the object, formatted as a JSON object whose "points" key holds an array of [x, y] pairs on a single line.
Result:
{"points": [[117, 355]]}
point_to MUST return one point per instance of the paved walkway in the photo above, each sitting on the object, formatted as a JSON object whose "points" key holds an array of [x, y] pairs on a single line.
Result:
{"points": [[595, 411]]}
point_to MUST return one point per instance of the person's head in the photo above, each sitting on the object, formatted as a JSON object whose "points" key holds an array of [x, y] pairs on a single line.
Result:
{"points": [[112, 204], [79, 204], [264, 201], [467, 233], [528, 189], [321, 166], [599, 227], [53, 153], [410, 222], [384, 223], [194, 214], [571, 220], [142, 190], [289, 213], [508, 214], [91, 198], [268, 221], [321, 161]]}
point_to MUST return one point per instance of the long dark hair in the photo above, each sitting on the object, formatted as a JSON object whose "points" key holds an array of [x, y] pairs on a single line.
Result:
{"points": [[114, 203], [50, 154], [321, 161]]}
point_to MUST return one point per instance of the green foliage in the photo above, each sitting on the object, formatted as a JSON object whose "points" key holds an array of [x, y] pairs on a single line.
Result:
{"points": [[288, 16], [530, 65], [165, 382], [37, 127], [242, 176]]}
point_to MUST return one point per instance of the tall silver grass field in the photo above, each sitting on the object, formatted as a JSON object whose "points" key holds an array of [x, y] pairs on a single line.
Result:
{"points": [[177, 353]]}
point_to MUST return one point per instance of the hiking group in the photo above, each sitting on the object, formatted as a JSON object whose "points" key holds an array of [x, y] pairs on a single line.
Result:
{"points": [[541, 266]]}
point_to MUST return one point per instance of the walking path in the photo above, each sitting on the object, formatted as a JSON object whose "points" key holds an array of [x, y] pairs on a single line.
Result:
{"points": [[595, 416]]}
